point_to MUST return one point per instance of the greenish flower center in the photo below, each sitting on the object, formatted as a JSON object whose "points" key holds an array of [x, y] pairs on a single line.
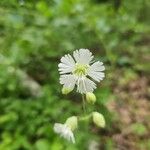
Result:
{"points": [[81, 69]]}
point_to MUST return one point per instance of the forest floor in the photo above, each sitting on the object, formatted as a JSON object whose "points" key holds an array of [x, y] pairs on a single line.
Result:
{"points": [[132, 108]]}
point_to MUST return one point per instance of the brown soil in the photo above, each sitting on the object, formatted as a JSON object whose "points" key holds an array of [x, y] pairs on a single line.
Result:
{"points": [[132, 106]]}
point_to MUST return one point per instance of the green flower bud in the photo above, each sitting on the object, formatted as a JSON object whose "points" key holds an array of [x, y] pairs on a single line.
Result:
{"points": [[72, 122], [98, 119], [65, 91], [90, 97]]}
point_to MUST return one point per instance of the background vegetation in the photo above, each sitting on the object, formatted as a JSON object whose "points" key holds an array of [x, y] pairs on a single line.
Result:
{"points": [[34, 34]]}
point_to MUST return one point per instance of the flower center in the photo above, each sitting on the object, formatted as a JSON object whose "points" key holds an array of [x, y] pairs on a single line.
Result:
{"points": [[80, 70]]}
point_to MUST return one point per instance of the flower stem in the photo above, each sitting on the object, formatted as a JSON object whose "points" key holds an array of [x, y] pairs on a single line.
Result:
{"points": [[83, 101], [85, 118]]}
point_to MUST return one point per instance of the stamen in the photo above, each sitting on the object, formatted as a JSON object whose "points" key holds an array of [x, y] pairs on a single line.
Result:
{"points": [[80, 70]]}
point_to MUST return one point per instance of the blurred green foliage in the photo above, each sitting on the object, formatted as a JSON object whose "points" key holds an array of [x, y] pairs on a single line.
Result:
{"points": [[34, 35]]}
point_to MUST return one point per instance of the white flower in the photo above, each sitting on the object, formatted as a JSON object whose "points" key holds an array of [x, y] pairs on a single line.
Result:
{"points": [[81, 71], [64, 131]]}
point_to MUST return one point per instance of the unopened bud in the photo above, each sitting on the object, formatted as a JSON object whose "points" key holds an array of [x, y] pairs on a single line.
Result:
{"points": [[65, 91], [72, 122], [90, 97], [98, 119]]}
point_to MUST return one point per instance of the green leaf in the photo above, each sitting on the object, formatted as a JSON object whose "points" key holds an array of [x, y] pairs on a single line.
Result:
{"points": [[43, 144]]}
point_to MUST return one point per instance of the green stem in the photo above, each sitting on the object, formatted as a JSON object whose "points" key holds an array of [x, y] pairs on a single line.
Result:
{"points": [[83, 102], [85, 118]]}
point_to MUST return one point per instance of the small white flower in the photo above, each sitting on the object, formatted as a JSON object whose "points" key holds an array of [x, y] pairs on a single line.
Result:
{"points": [[64, 131], [79, 70]]}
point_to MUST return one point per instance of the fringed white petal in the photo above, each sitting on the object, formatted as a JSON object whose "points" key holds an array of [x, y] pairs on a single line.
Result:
{"points": [[67, 64], [68, 81], [83, 56], [85, 85], [95, 71], [64, 131], [58, 128]]}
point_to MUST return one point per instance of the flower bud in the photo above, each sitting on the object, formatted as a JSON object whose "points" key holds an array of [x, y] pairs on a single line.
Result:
{"points": [[65, 91], [72, 122], [98, 119], [90, 97]]}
